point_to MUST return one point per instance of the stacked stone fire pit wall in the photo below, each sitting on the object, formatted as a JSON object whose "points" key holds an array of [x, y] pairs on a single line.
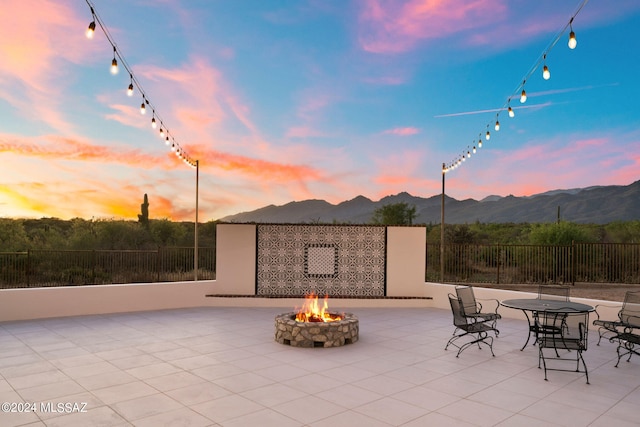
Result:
{"points": [[316, 334]]}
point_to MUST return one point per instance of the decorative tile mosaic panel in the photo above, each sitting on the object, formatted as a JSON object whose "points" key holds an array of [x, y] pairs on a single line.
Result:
{"points": [[295, 260]]}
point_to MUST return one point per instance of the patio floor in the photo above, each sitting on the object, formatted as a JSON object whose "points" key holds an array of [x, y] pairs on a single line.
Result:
{"points": [[221, 366]]}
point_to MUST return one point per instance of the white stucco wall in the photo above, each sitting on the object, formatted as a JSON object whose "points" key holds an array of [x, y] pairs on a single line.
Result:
{"points": [[406, 258], [235, 260]]}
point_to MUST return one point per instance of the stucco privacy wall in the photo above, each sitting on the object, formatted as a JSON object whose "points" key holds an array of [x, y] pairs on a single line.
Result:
{"points": [[237, 248]]}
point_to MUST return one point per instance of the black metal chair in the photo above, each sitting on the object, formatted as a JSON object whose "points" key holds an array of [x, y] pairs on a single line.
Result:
{"points": [[573, 336], [473, 307], [548, 326], [611, 328], [469, 326]]}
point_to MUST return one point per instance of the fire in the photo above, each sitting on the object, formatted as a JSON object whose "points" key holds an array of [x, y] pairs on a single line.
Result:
{"points": [[311, 312]]}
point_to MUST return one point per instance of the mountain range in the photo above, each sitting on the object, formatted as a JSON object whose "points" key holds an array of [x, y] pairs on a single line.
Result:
{"points": [[591, 205]]}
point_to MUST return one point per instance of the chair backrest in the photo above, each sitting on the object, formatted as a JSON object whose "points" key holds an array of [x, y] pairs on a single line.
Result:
{"points": [[467, 299], [572, 328], [630, 312], [458, 314], [558, 293]]}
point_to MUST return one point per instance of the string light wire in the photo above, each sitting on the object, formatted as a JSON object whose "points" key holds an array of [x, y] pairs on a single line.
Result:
{"points": [[119, 60], [519, 91]]}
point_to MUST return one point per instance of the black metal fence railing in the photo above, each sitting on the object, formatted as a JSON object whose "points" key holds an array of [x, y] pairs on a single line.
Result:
{"points": [[46, 268], [536, 264]]}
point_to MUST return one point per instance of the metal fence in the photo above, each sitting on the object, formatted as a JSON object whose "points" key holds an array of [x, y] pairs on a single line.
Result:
{"points": [[43, 268], [536, 264]]}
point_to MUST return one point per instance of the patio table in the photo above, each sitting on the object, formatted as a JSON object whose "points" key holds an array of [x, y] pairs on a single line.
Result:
{"points": [[538, 305]]}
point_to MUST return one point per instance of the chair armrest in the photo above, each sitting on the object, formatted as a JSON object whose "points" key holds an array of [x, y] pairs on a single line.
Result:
{"points": [[599, 308], [497, 303]]}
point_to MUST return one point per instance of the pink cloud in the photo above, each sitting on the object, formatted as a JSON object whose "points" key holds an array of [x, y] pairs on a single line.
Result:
{"points": [[387, 27], [38, 38], [405, 131]]}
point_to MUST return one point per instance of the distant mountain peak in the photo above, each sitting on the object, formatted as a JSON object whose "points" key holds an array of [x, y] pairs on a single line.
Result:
{"points": [[596, 205]]}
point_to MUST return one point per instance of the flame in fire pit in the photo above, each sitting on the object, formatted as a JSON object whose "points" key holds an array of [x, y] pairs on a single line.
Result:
{"points": [[311, 312]]}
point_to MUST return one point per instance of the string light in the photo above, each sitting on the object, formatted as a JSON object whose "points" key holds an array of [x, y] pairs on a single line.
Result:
{"points": [[118, 60], [520, 90], [546, 74], [130, 88], [91, 29], [572, 36], [114, 63]]}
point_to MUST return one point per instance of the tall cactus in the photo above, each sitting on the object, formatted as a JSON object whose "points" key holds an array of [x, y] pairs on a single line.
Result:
{"points": [[143, 217]]}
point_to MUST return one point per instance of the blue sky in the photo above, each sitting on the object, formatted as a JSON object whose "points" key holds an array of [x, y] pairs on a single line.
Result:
{"points": [[285, 101]]}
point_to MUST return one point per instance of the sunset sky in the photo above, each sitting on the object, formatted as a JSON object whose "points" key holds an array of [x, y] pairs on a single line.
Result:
{"points": [[292, 100]]}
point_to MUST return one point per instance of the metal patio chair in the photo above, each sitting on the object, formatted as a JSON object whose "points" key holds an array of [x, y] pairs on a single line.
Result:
{"points": [[473, 307], [573, 336], [467, 326], [630, 309], [553, 325]]}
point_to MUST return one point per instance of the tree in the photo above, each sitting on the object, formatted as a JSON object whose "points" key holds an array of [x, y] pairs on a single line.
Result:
{"points": [[394, 214], [558, 233]]}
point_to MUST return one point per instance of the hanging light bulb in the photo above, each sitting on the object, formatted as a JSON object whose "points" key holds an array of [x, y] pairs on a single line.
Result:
{"points": [[523, 96], [153, 120], [114, 63], [546, 74], [130, 88], [166, 141], [91, 29], [474, 149], [480, 144], [161, 132], [487, 137], [497, 127], [572, 40], [572, 36], [143, 109], [511, 113]]}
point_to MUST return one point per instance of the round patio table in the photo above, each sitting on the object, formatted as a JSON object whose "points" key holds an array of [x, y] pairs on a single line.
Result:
{"points": [[538, 305]]}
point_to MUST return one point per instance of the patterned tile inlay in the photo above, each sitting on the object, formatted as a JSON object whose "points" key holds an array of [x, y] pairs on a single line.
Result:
{"points": [[295, 260]]}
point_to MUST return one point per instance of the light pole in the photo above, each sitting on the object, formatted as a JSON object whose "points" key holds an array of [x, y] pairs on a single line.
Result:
{"points": [[195, 239], [442, 228]]}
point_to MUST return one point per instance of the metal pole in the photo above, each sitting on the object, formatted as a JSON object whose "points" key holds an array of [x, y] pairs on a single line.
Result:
{"points": [[442, 229], [195, 239]]}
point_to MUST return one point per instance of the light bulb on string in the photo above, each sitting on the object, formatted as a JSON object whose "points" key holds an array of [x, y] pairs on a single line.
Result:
{"points": [[161, 132], [474, 149], [153, 120], [130, 88], [546, 74], [166, 140], [497, 126], [510, 111], [480, 144], [487, 135], [523, 95], [572, 37], [114, 63], [143, 109], [91, 29]]}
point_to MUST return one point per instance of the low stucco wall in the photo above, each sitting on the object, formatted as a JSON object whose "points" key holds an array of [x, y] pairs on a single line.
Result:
{"points": [[38, 303]]}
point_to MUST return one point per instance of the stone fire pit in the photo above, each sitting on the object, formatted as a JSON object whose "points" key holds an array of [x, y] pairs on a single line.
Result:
{"points": [[316, 334]]}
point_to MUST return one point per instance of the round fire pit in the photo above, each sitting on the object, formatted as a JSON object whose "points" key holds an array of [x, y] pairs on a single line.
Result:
{"points": [[316, 334]]}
